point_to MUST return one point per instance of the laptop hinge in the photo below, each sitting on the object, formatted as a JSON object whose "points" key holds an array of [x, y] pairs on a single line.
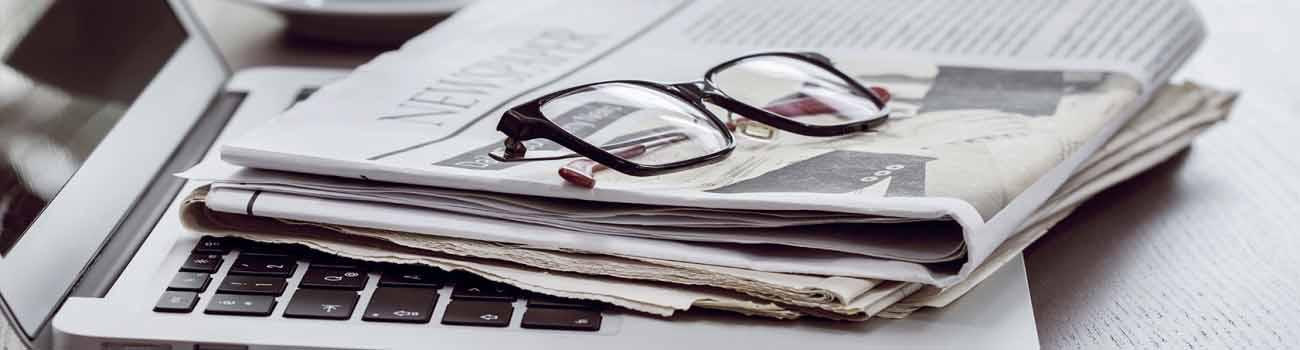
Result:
{"points": [[134, 228]]}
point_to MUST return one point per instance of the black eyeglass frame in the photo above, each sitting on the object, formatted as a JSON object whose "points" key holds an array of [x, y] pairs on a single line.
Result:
{"points": [[526, 121]]}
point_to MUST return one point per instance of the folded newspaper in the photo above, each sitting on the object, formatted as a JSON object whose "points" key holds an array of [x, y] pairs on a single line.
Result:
{"points": [[1168, 126], [992, 113]]}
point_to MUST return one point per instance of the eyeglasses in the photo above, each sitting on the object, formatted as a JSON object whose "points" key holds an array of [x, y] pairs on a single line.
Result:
{"points": [[644, 128]]}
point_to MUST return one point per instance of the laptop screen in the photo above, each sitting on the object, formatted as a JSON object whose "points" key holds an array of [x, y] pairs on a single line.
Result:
{"points": [[68, 71]]}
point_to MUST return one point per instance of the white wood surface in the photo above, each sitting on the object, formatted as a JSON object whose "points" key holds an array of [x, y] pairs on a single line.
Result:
{"points": [[1202, 252]]}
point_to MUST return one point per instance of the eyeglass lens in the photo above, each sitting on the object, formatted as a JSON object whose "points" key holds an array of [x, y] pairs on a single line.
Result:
{"points": [[639, 124], [795, 89]]}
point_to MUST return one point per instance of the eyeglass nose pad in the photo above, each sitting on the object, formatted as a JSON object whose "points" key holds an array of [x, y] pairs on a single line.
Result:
{"points": [[750, 129]]}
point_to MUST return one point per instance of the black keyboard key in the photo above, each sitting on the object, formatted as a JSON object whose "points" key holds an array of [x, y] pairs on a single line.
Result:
{"points": [[179, 302], [408, 305], [212, 245], [334, 278], [565, 319], [322, 304], [478, 313], [260, 285], [190, 282], [206, 263], [412, 277], [263, 265], [481, 289], [538, 300], [240, 305]]}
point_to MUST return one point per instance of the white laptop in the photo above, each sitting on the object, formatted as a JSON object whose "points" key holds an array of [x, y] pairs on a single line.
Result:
{"points": [[103, 100]]}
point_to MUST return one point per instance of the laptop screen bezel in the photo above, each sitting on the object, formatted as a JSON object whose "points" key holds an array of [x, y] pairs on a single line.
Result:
{"points": [[38, 273]]}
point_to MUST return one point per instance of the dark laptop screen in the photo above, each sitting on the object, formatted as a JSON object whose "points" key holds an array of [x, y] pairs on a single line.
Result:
{"points": [[68, 71]]}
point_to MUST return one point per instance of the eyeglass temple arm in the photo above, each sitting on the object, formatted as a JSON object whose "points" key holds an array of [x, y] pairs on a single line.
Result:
{"points": [[582, 172], [646, 141], [803, 106], [812, 105]]}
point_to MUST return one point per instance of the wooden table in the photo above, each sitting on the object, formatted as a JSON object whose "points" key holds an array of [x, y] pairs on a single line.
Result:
{"points": [[1201, 252]]}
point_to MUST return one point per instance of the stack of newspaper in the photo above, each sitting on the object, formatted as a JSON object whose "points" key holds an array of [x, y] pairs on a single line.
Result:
{"points": [[1006, 116]]}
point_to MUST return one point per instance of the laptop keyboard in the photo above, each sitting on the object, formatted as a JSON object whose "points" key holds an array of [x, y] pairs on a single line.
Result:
{"points": [[251, 279]]}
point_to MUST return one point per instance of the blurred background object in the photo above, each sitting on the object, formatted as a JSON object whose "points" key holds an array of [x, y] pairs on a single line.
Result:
{"points": [[58, 101], [385, 23]]}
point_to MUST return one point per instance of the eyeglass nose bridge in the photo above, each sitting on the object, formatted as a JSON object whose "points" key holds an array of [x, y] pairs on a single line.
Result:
{"points": [[696, 90]]}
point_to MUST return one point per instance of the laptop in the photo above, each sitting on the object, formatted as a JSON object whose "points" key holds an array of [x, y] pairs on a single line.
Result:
{"points": [[104, 100]]}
